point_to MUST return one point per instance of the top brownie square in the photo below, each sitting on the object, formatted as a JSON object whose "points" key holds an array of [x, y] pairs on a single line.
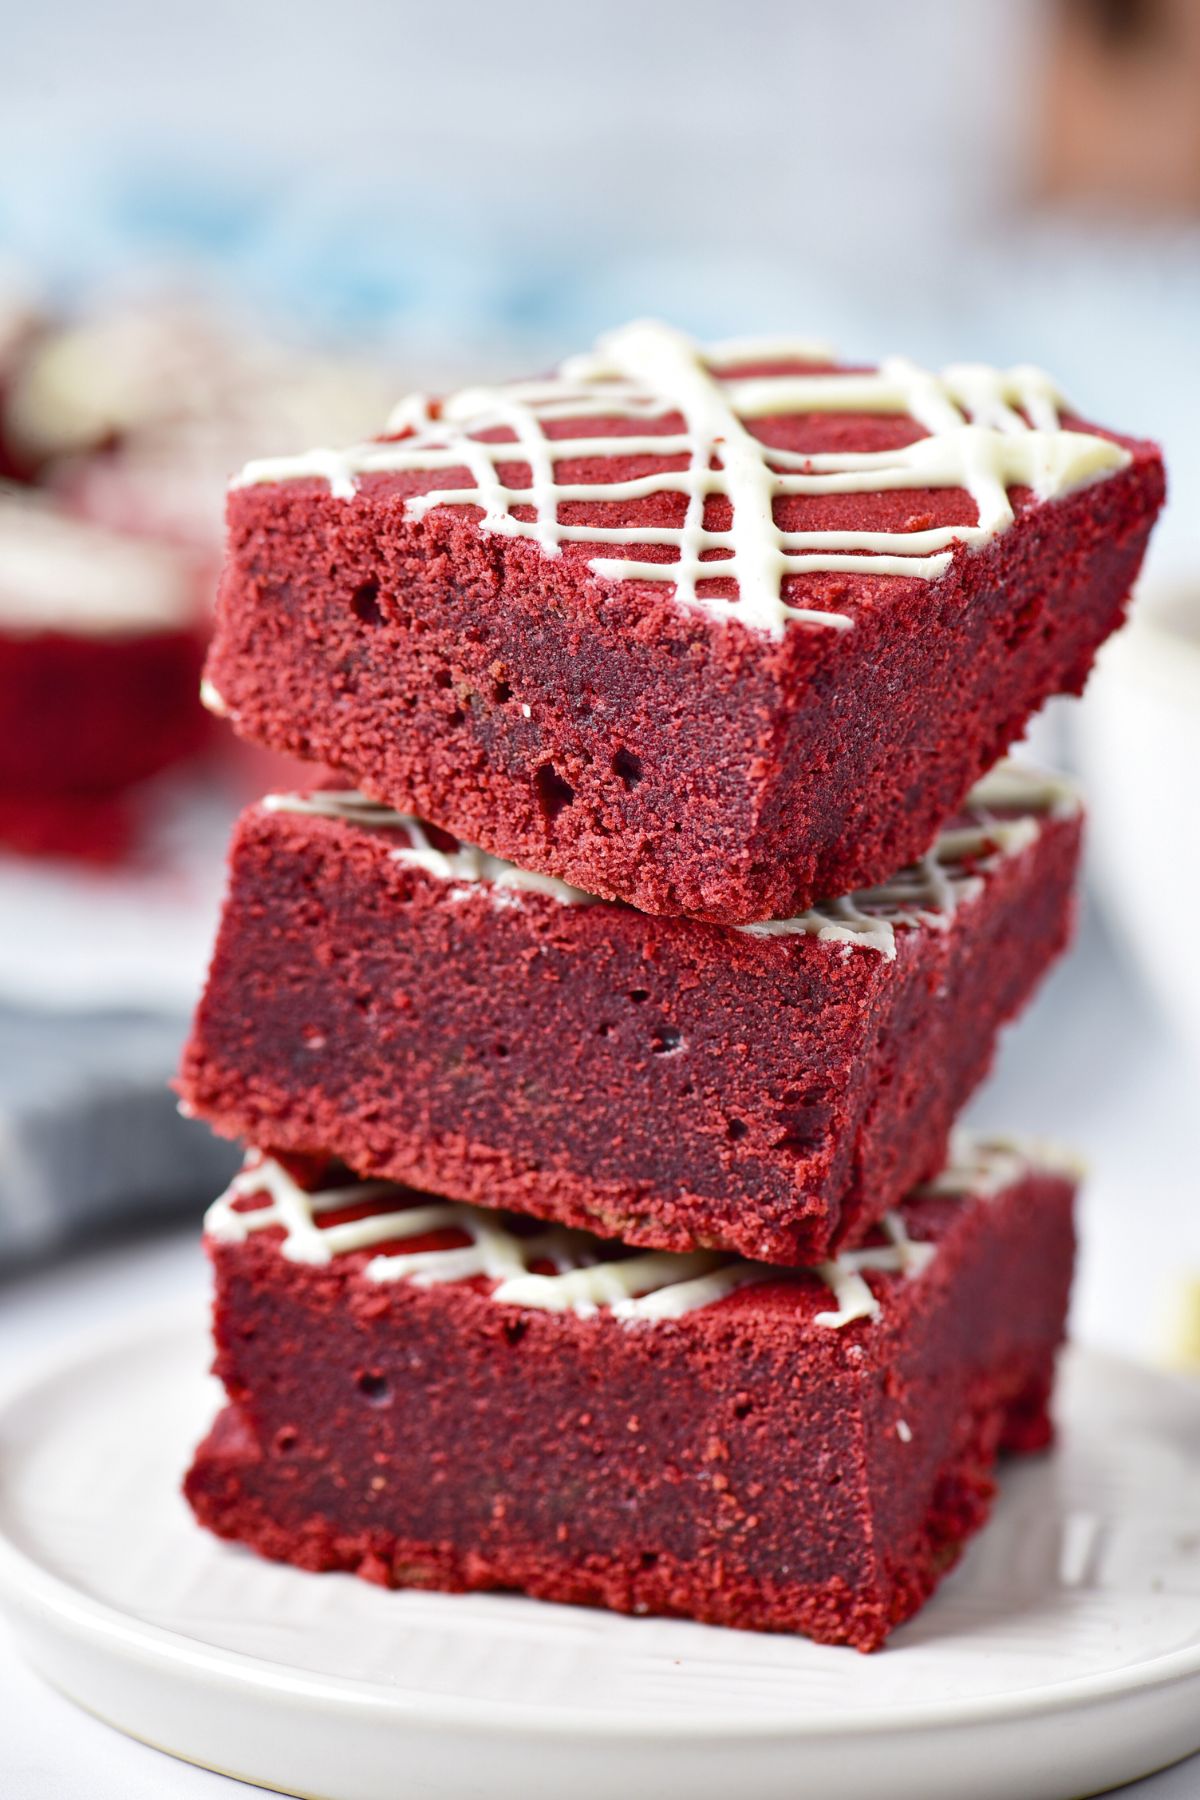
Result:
{"points": [[715, 632]]}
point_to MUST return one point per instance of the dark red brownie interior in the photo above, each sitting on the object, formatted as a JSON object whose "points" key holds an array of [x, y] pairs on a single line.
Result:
{"points": [[743, 1463], [594, 728], [664, 1081]]}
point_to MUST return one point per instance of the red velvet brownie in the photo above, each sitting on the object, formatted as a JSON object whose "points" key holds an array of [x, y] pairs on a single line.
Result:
{"points": [[429, 1014], [716, 633], [101, 647], [431, 1395]]}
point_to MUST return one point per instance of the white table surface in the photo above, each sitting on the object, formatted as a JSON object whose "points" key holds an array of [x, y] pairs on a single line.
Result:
{"points": [[1088, 1065]]}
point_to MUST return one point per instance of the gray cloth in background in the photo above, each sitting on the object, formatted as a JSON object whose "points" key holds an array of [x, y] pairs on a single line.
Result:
{"points": [[90, 1137]]}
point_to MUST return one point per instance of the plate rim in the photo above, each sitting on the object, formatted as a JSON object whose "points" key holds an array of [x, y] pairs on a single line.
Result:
{"points": [[28, 1587]]}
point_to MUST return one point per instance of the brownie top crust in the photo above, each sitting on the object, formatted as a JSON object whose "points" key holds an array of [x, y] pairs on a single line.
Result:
{"points": [[1002, 816], [736, 472], [393, 1233]]}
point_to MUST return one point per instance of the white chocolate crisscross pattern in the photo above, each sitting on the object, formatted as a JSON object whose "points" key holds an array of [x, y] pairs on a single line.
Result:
{"points": [[586, 1278], [988, 430]]}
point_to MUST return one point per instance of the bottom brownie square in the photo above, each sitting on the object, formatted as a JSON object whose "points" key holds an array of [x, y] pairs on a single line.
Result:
{"points": [[436, 1395]]}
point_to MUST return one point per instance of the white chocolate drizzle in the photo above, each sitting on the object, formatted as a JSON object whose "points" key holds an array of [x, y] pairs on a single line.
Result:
{"points": [[585, 1278], [465, 868], [985, 1166], [212, 699], [1004, 812], [988, 430]]}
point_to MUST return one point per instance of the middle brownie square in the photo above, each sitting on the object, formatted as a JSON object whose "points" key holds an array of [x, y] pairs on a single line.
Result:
{"points": [[428, 1014]]}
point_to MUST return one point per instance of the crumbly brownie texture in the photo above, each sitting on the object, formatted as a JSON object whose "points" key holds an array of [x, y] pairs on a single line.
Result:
{"points": [[508, 619], [101, 647], [423, 1395], [426, 1013]]}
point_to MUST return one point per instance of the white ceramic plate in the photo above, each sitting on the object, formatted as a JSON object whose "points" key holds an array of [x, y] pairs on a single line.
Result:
{"points": [[1062, 1658]]}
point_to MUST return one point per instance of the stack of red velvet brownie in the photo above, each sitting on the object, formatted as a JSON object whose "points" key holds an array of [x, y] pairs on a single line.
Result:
{"points": [[602, 1233]]}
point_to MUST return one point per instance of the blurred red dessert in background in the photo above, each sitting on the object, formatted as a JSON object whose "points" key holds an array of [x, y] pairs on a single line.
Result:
{"points": [[101, 643], [130, 416]]}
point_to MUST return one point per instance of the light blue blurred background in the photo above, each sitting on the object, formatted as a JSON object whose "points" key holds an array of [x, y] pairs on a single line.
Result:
{"points": [[488, 185]]}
